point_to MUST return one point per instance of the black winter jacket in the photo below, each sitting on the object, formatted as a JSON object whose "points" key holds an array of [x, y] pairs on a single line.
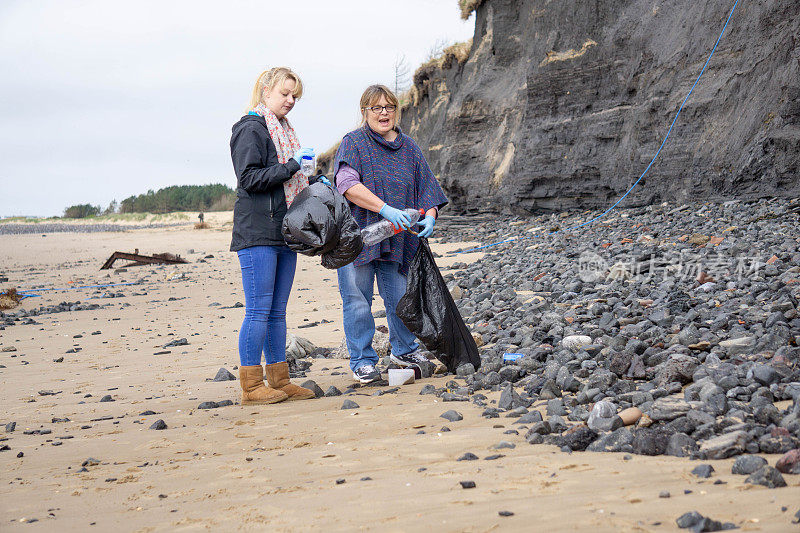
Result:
{"points": [[260, 201]]}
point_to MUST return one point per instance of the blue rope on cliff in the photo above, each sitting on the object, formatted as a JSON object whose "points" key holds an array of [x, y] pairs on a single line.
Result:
{"points": [[604, 213]]}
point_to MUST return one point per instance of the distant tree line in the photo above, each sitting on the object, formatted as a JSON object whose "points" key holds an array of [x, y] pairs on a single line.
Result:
{"points": [[216, 197], [81, 211]]}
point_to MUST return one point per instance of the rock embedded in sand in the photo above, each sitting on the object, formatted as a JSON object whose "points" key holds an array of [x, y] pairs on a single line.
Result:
{"points": [[332, 391], [468, 456], [699, 523], [703, 471], [467, 484], [159, 424], [747, 464], [224, 375], [766, 476], [428, 389], [452, 416], [311, 385], [789, 463], [107, 398], [349, 404], [10, 427]]}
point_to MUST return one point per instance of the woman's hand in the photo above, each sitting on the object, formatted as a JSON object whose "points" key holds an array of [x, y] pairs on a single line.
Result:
{"points": [[427, 226], [398, 219], [301, 153]]}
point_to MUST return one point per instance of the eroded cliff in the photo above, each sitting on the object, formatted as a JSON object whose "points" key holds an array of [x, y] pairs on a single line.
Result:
{"points": [[562, 104]]}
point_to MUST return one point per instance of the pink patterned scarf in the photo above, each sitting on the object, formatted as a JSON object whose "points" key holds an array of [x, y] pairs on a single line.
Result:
{"points": [[286, 144]]}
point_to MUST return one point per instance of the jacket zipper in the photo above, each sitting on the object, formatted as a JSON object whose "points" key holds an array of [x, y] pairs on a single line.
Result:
{"points": [[270, 205]]}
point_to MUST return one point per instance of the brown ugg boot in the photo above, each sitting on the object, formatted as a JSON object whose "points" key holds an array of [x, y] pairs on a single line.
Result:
{"points": [[254, 392], [278, 378]]}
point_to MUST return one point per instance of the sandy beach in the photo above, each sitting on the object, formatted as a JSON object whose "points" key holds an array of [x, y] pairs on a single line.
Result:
{"points": [[295, 466]]}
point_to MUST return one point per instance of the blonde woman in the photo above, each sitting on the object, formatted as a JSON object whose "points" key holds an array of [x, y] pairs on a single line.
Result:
{"points": [[382, 171], [266, 156]]}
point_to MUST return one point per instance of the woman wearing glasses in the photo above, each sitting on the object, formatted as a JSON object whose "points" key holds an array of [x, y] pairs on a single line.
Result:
{"points": [[382, 171]]}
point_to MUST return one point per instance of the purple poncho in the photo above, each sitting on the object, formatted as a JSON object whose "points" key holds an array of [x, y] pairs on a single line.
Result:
{"points": [[397, 173]]}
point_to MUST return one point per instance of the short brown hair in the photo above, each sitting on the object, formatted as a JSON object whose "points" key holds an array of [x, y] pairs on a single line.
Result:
{"points": [[371, 96], [268, 79]]}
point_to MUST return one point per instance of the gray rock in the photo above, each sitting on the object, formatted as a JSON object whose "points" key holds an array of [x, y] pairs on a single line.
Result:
{"points": [[224, 375], [349, 404], [766, 476], [576, 342], [428, 389], [650, 441], [556, 407], [678, 367], [469, 456], [724, 446], [311, 385], [529, 418], [681, 445], [578, 438], [208, 405], [451, 416], [747, 464], [10, 427], [465, 369], [669, 409], [765, 374], [332, 391], [159, 425], [509, 399], [616, 441], [738, 346], [703, 471]]}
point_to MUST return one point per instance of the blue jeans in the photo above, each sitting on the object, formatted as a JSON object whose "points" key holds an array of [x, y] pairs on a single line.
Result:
{"points": [[355, 286], [267, 276]]}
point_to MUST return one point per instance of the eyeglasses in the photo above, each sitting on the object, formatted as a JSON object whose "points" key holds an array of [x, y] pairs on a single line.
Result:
{"points": [[378, 109]]}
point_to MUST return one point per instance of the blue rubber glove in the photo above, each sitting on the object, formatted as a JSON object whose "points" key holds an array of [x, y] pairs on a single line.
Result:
{"points": [[427, 226], [303, 152], [324, 181], [399, 219]]}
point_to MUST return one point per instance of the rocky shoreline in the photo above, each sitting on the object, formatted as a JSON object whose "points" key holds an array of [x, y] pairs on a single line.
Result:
{"points": [[687, 315]]}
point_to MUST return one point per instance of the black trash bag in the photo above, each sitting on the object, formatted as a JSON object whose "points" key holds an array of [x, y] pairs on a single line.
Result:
{"points": [[429, 312], [319, 222]]}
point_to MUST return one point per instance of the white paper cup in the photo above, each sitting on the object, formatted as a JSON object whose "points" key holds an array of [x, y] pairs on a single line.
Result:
{"points": [[401, 376]]}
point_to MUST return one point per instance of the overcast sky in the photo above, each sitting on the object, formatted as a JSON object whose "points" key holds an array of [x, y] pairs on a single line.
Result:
{"points": [[101, 100]]}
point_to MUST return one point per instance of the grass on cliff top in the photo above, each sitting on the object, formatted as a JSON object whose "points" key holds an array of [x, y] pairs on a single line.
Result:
{"points": [[468, 6]]}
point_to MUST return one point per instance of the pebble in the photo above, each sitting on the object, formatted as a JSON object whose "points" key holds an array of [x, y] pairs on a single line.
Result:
{"points": [[349, 404], [467, 484], [159, 424], [468, 456], [224, 375]]}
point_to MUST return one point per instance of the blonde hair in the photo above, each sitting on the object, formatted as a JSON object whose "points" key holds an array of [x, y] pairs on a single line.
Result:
{"points": [[371, 96], [267, 81]]}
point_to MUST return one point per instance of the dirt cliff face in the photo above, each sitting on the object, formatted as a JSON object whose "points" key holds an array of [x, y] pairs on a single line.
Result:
{"points": [[562, 104]]}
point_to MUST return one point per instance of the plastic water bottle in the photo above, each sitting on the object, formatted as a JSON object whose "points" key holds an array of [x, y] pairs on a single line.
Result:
{"points": [[307, 166], [380, 231]]}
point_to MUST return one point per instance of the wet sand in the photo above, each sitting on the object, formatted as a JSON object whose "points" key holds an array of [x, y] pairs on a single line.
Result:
{"points": [[278, 467]]}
